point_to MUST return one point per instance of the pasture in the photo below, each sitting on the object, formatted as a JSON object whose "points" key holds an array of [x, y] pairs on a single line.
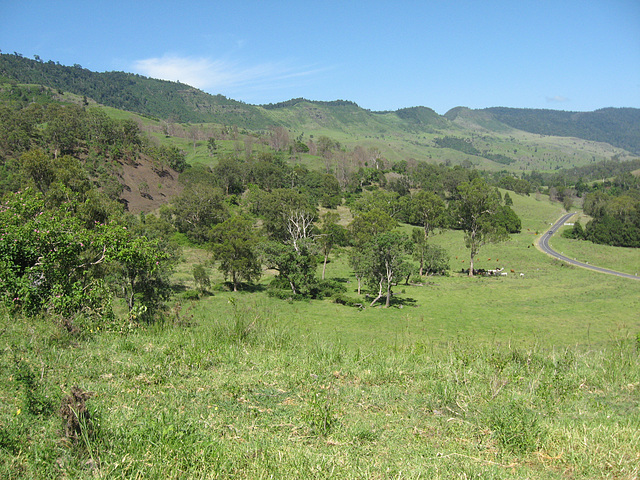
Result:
{"points": [[534, 376]]}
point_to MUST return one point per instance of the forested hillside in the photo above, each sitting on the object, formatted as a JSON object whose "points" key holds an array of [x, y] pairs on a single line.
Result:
{"points": [[135, 93], [406, 127], [617, 126]]}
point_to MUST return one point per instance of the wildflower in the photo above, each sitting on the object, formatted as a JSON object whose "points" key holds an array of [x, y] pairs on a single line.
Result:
{"points": [[19, 412]]}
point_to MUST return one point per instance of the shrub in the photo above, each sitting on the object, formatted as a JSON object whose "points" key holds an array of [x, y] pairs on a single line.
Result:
{"points": [[342, 299], [201, 277], [191, 295]]}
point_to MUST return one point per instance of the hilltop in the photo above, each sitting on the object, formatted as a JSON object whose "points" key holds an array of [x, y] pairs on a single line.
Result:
{"points": [[489, 139]]}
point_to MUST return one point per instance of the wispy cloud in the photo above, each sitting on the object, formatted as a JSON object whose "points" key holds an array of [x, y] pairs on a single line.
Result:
{"points": [[557, 99], [216, 75]]}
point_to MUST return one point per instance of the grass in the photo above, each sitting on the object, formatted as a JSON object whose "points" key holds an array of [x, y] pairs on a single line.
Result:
{"points": [[621, 259], [204, 402], [508, 377]]}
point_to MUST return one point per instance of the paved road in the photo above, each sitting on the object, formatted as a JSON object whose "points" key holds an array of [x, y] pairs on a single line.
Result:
{"points": [[543, 243]]}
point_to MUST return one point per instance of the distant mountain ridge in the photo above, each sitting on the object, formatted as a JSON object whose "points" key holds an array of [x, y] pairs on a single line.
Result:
{"points": [[178, 102], [617, 126]]}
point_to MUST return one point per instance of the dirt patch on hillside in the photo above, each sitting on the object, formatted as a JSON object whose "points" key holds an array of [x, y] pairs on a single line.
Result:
{"points": [[146, 189]]}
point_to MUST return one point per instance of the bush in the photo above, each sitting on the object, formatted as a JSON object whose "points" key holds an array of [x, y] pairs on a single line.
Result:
{"points": [[191, 295], [577, 232], [341, 299], [327, 288]]}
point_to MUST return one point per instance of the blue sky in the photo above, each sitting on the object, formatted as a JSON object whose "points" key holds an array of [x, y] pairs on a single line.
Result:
{"points": [[383, 55]]}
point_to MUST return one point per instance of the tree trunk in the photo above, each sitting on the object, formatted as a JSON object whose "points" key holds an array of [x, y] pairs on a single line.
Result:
{"points": [[471, 266], [380, 294], [324, 265]]}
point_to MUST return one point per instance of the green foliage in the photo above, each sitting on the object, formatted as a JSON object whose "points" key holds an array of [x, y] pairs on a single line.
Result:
{"points": [[517, 428], [507, 200], [508, 219], [53, 258], [134, 93], [167, 156], [459, 144], [384, 262], [191, 295], [197, 209], [278, 208], [36, 401], [604, 125], [427, 210], [475, 211], [436, 260], [576, 232], [320, 415], [234, 245], [201, 277], [517, 185], [296, 267], [370, 223]]}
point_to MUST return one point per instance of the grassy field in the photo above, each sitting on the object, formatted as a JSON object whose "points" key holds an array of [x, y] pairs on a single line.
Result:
{"points": [[509, 377], [626, 260]]}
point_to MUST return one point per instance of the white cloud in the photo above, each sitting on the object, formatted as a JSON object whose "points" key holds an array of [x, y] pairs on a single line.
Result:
{"points": [[557, 99], [215, 75]]}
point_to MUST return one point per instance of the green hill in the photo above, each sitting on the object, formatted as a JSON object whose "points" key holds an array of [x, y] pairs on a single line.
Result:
{"points": [[619, 127], [491, 139]]}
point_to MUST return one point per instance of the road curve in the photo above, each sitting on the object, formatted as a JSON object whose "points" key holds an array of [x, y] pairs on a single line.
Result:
{"points": [[543, 244]]}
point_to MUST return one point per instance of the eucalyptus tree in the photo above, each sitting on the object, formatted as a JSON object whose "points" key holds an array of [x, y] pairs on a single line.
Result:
{"points": [[385, 262], [474, 211]]}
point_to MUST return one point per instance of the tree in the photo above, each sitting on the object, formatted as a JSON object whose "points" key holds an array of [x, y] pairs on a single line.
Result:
{"points": [[229, 172], [385, 201], [296, 268], [281, 210], [370, 223], [233, 244], [358, 262], [427, 209], [50, 258], [211, 146], [576, 232], [38, 168], [507, 199], [279, 138], [197, 209], [201, 277], [141, 265], [474, 212], [385, 262], [506, 217], [436, 260], [419, 244]]}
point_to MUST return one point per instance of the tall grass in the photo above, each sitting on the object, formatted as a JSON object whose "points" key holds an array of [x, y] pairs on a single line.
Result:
{"points": [[217, 399]]}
